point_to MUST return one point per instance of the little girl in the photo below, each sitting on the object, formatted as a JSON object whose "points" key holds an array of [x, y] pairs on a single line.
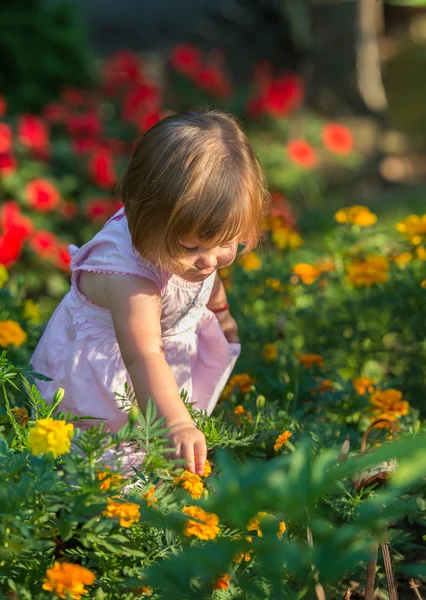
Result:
{"points": [[146, 304]]}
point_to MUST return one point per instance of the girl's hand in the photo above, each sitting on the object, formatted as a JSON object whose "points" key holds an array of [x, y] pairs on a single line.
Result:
{"points": [[190, 444], [229, 326]]}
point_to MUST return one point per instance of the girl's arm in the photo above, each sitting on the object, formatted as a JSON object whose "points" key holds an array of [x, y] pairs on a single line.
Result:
{"points": [[218, 301], [135, 306]]}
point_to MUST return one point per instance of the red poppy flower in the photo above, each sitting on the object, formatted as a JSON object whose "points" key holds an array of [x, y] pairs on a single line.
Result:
{"points": [[42, 195], [3, 106], [102, 170], [213, 79], [5, 138], [283, 95], [141, 99], [8, 164], [44, 244], [149, 119], [55, 112], [338, 139], [13, 221], [302, 153], [122, 69], [81, 146], [33, 133], [87, 124], [186, 59], [10, 249], [99, 210], [63, 258]]}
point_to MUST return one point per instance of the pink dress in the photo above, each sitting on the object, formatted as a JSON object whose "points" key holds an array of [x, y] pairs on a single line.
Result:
{"points": [[79, 348]]}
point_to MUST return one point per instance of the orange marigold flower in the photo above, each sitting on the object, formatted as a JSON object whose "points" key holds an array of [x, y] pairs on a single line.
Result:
{"points": [[274, 284], [251, 262], [413, 228], [128, 512], [239, 410], [281, 440], [284, 237], [402, 259], [149, 496], [390, 401], [338, 139], [222, 583], [243, 381], [363, 385], [421, 253], [255, 524], [368, 271], [307, 273], [11, 334], [356, 215], [309, 360], [207, 469], [108, 479], [282, 528], [205, 528], [325, 266], [270, 352], [326, 386], [302, 154], [67, 580], [190, 482]]}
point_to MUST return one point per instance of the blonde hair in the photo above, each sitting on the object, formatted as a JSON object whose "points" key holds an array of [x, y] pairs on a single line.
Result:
{"points": [[193, 175]]}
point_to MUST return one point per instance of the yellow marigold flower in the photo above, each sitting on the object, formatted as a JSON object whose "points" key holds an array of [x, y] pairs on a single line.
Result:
{"points": [[190, 482], [378, 414], [281, 440], [67, 580], [207, 529], [11, 334], [421, 253], [363, 385], [283, 238], [390, 401], [32, 312], [274, 284], [251, 262], [21, 416], [325, 266], [239, 410], [309, 360], [128, 512], [149, 496], [222, 583], [307, 273], [282, 528], [326, 386], [368, 271], [207, 469], [4, 276], [50, 435], [357, 215], [413, 228], [243, 555], [402, 259], [423, 284], [270, 352], [243, 381], [108, 479]]}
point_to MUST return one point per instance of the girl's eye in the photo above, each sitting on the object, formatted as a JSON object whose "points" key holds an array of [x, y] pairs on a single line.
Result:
{"points": [[193, 249]]}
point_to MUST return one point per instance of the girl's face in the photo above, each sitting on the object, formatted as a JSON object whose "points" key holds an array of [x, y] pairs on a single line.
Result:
{"points": [[205, 260]]}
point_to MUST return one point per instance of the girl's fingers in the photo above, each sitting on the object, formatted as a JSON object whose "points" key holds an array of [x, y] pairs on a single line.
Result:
{"points": [[188, 455], [200, 456]]}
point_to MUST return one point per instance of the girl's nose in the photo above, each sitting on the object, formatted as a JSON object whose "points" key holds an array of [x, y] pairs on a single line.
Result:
{"points": [[207, 261]]}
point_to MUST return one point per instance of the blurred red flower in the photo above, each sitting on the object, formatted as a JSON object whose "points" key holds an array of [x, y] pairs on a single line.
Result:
{"points": [[63, 258], [302, 153], [16, 228], [5, 138], [85, 145], [73, 96], [44, 243], [85, 124], [141, 99], [283, 95], [3, 106], [213, 79], [33, 133], [338, 139], [42, 195], [68, 209], [99, 210], [149, 119], [55, 112], [8, 164], [123, 68], [281, 207], [186, 59], [102, 169]]}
